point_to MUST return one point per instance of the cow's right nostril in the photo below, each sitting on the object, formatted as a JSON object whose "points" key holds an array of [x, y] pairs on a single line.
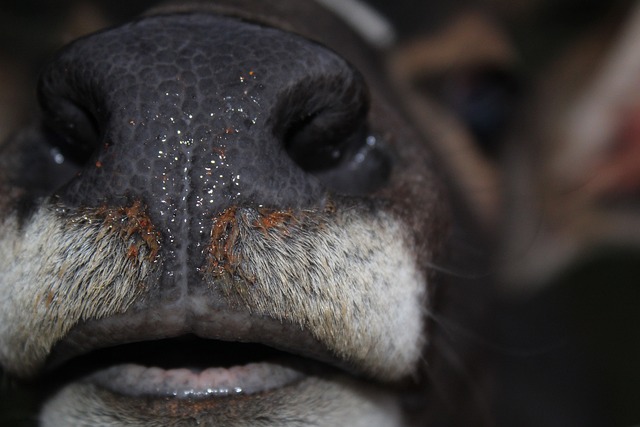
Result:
{"points": [[73, 128]]}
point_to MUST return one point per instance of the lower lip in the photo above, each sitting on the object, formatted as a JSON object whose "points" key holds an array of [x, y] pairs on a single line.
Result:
{"points": [[322, 397], [136, 380]]}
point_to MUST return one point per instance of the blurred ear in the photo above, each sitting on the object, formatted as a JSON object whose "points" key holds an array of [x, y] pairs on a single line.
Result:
{"points": [[599, 139], [575, 169]]}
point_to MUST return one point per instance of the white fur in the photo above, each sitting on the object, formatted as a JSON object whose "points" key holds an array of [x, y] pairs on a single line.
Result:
{"points": [[348, 277], [56, 273]]}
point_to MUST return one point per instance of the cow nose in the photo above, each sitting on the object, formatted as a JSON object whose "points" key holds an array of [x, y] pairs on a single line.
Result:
{"points": [[193, 114]]}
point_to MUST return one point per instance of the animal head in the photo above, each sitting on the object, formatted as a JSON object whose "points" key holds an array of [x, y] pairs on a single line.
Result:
{"points": [[222, 218]]}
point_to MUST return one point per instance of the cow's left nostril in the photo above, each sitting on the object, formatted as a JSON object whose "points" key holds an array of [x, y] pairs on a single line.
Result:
{"points": [[321, 123], [316, 148]]}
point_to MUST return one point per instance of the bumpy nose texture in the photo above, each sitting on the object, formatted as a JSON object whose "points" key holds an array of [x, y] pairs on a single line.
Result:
{"points": [[190, 114]]}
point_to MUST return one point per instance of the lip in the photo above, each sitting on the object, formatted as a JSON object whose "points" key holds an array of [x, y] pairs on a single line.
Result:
{"points": [[167, 343]]}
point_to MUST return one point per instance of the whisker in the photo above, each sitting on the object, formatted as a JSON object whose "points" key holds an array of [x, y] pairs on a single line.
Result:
{"points": [[458, 274], [456, 331], [458, 382]]}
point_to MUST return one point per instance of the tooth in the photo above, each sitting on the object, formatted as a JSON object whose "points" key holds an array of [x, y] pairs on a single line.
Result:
{"points": [[136, 380]]}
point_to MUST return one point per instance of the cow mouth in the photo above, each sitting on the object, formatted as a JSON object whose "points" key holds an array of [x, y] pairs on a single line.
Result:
{"points": [[214, 382], [187, 367], [131, 360]]}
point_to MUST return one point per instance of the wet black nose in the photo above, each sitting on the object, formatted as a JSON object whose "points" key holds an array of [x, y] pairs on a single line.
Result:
{"points": [[192, 114]]}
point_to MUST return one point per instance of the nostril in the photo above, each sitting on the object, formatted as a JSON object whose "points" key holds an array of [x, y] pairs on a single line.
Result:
{"points": [[72, 128], [319, 121], [321, 141], [323, 126]]}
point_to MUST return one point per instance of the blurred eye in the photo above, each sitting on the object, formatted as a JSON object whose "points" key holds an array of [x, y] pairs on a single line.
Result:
{"points": [[483, 97]]}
